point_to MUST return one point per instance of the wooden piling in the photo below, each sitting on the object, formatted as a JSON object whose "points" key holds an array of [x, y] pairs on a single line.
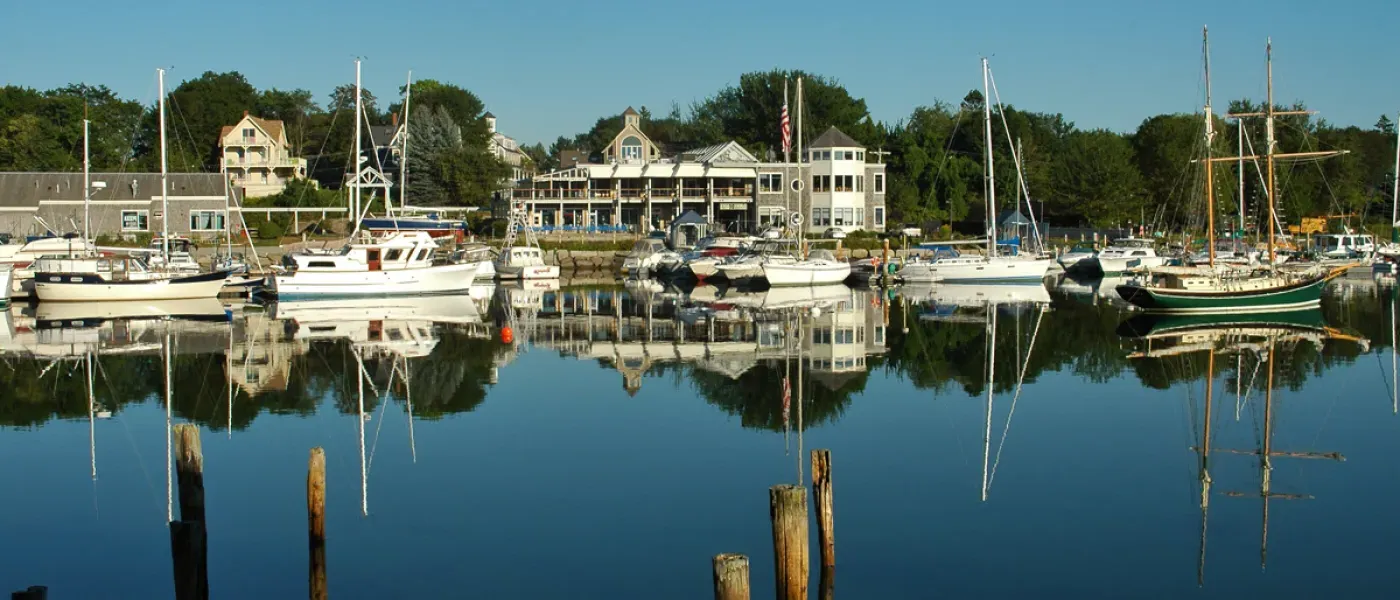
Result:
{"points": [[189, 471], [316, 521], [189, 541], [788, 508], [731, 577], [821, 493], [828, 585], [39, 592], [187, 548]]}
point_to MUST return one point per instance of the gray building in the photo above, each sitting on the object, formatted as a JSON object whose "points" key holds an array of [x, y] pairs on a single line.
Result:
{"points": [[126, 205]]}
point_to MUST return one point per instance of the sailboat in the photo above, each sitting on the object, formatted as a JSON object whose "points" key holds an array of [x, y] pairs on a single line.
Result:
{"points": [[91, 277], [999, 263], [1211, 288], [397, 263]]}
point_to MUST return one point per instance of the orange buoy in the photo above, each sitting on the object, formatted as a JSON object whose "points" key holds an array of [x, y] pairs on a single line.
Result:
{"points": [[507, 336]]}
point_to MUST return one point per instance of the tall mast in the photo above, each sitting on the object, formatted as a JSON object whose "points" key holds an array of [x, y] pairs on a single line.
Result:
{"points": [[1205, 467], [355, 161], [1395, 189], [801, 150], [1269, 130], [991, 371], [87, 178], [1266, 465], [990, 178], [164, 175], [403, 158], [1239, 125], [1210, 137]]}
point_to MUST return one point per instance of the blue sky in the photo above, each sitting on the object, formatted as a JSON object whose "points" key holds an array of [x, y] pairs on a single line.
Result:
{"points": [[549, 68]]}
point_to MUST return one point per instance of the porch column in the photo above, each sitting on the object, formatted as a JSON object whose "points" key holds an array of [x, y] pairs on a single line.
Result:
{"points": [[709, 199]]}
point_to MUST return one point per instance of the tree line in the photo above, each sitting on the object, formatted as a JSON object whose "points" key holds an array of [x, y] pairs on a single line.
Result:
{"points": [[1073, 176]]}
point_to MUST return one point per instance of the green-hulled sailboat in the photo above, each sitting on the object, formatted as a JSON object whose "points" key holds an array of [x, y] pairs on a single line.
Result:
{"points": [[1208, 289]]}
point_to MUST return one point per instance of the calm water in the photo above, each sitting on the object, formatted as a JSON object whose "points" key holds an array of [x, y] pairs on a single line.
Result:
{"points": [[626, 435]]}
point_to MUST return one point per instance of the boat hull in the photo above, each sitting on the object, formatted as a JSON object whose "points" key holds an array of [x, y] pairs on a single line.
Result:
{"points": [[7, 275], [437, 279], [59, 287], [1296, 296], [1120, 265], [997, 269], [527, 272], [805, 274]]}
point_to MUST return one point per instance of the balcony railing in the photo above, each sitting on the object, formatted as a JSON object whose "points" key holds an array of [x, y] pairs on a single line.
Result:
{"points": [[734, 192], [693, 192], [657, 192]]}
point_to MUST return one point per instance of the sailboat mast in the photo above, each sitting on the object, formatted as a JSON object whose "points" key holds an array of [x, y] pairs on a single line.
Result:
{"points": [[1266, 457], [355, 161], [1269, 129], [1395, 186], [1205, 467], [801, 151], [403, 158], [991, 371], [164, 175], [1210, 137], [87, 179], [1239, 127], [990, 177]]}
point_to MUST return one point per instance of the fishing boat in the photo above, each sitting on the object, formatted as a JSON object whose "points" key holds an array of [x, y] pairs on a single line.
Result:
{"points": [[397, 264], [522, 261], [98, 278], [819, 268], [1001, 261], [1209, 288]]}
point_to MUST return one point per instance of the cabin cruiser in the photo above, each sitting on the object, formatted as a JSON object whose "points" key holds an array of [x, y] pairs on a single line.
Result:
{"points": [[705, 260], [20, 257], [178, 258], [398, 263], [1127, 254], [1344, 246], [524, 262], [102, 278], [7, 273], [650, 255], [748, 266]]}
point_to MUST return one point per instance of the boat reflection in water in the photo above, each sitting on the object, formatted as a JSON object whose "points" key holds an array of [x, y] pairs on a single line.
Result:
{"points": [[1256, 342]]}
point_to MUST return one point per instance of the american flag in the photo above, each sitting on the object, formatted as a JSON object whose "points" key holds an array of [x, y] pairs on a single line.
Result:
{"points": [[787, 131], [787, 398]]}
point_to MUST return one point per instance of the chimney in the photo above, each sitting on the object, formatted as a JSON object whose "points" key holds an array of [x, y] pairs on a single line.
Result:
{"points": [[395, 119], [245, 114]]}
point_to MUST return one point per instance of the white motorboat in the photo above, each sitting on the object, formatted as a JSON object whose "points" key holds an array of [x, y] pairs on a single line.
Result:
{"points": [[1127, 254], [524, 262], [650, 255], [1344, 246], [7, 274], [22, 254], [177, 257], [743, 267], [448, 308], [820, 268], [1076, 255], [397, 264]]}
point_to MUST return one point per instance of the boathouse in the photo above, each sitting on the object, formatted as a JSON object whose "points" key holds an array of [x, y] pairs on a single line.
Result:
{"points": [[123, 204]]}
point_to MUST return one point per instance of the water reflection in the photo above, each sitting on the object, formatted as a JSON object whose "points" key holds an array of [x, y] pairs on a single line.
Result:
{"points": [[790, 362]]}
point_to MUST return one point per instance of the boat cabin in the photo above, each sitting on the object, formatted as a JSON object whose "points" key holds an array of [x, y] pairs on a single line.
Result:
{"points": [[647, 247], [394, 252], [1343, 245], [525, 256]]}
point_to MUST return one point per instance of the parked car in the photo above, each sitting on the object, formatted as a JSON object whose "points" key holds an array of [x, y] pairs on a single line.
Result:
{"points": [[835, 233], [903, 230]]}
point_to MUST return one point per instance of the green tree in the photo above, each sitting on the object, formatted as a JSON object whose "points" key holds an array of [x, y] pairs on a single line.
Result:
{"points": [[294, 108], [196, 111], [1099, 178]]}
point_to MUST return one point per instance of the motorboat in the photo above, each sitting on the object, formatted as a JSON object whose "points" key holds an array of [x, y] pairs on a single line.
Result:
{"points": [[1344, 246], [397, 264], [1076, 255], [947, 264], [650, 255], [1127, 254], [524, 262], [7, 274], [178, 257], [819, 268], [747, 266]]}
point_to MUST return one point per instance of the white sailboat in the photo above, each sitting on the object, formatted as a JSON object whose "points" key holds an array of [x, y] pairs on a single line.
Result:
{"points": [[397, 263], [820, 268], [996, 264], [97, 278]]}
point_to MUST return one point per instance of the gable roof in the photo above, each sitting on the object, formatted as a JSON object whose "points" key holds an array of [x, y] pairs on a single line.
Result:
{"points": [[629, 111], [272, 127], [729, 151], [26, 190], [835, 138], [488, 115]]}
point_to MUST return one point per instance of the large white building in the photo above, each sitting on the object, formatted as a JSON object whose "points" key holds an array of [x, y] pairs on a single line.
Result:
{"points": [[638, 187]]}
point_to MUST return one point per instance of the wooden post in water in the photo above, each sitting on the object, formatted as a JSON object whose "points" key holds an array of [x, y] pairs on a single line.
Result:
{"points": [[821, 492], [189, 544], [316, 521], [39, 592], [731, 577], [788, 508]]}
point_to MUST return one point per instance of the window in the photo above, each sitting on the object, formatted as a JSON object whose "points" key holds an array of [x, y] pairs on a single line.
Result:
{"points": [[849, 155], [860, 183], [879, 183], [423, 252], [844, 183], [879, 335], [206, 220], [135, 220], [249, 134], [826, 155], [821, 335], [770, 182], [860, 216], [821, 217], [771, 215], [393, 254], [324, 264], [879, 216], [843, 217], [631, 148], [860, 155], [821, 183], [845, 335]]}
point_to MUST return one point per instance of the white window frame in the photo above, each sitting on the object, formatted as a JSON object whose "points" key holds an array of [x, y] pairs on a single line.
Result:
{"points": [[143, 220], [879, 183], [860, 216], [219, 216], [770, 183], [879, 216]]}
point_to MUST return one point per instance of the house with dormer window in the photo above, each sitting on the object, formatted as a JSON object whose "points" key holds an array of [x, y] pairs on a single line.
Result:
{"points": [[256, 158], [631, 146]]}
